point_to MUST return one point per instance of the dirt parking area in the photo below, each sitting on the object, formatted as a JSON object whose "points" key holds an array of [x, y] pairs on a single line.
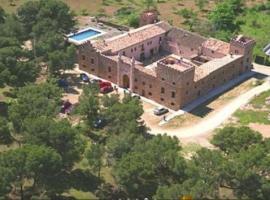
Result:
{"points": [[149, 117]]}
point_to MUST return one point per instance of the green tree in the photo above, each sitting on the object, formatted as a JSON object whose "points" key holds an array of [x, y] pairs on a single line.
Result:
{"points": [[201, 3], [95, 157], [54, 15], [190, 17], [34, 101], [60, 136], [124, 117], [224, 15], [235, 139], [29, 163], [151, 163], [5, 134], [89, 105]]}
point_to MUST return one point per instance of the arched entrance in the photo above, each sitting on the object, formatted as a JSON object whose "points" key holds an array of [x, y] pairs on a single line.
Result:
{"points": [[125, 81]]}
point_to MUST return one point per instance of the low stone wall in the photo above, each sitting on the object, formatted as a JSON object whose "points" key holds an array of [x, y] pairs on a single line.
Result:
{"points": [[117, 26]]}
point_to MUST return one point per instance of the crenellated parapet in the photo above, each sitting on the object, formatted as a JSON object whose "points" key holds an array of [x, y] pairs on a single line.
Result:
{"points": [[242, 41]]}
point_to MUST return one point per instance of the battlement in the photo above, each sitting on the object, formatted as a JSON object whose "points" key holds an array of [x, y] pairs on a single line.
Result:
{"points": [[242, 41]]}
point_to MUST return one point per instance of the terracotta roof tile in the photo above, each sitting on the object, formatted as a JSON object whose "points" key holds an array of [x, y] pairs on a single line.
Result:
{"points": [[131, 38]]}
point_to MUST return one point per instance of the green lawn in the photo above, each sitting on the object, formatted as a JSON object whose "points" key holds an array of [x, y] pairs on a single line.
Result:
{"points": [[250, 116], [259, 101], [257, 26]]}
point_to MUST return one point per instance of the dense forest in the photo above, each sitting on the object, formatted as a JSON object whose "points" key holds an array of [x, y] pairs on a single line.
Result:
{"points": [[45, 157]]}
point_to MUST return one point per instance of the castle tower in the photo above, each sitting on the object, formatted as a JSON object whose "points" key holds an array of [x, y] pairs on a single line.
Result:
{"points": [[242, 45]]}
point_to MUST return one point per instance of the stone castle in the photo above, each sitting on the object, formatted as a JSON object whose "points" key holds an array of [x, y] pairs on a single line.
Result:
{"points": [[169, 65]]}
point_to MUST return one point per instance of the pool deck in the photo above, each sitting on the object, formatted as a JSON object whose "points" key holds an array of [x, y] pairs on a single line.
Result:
{"points": [[86, 22]]}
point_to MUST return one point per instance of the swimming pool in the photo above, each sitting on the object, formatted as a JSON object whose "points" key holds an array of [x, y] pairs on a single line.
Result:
{"points": [[84, 35]]}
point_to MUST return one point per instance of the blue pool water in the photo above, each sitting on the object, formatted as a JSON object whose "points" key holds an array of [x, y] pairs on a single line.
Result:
{"points": [[84, 35]]}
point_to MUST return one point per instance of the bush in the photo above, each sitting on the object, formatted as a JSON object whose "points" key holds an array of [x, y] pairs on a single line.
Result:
{"points": [[133, 20]]}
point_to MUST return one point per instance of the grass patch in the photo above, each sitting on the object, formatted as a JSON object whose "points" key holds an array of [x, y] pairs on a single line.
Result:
{"points": [[259, 101], [191, 148], [3, 94], [77, 194], [249, 116]]}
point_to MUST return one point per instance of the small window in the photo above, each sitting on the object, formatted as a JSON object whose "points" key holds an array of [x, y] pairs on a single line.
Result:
{"points": [[109, 77], [109, 69], [83, 57], [124, 53], [212, 51], [160, 39], [162, 90], [92, 69], [161, 99], [136, 87], [84, 66], [150, 93], [187, 83], [186, 92], [135, 80], [191, 49], [163, 79], [172, 104], [143, 83], [92, 61], [135, 49], [236, 51], [150, 86], [173, 83], [173, 94], [131, 50]]}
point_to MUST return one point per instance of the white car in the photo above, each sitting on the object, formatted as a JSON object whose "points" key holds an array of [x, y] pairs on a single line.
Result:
{"points": [[160, 111]]}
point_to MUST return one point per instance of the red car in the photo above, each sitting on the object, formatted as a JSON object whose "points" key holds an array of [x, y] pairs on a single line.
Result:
{"points": [[105, 87], [66, 107]]}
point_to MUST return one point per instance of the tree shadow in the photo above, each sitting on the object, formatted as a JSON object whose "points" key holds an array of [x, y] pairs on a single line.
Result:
{"points": [[3, 109], [84, 180], [78, 179]]}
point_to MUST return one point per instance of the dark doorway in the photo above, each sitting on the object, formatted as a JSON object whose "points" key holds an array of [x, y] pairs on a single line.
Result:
{"points": [[125, 81]]}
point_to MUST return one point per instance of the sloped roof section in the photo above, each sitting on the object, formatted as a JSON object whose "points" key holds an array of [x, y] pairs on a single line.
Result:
{"points": [[132, 37]]}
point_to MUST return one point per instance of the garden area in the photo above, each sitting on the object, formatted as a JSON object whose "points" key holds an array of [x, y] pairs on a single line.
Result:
{"points": [[256, 114]]}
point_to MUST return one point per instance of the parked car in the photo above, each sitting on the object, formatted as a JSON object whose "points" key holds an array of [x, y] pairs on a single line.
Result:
{"points": [[160, 111], [63, 83], [99, 123], [106, 89], [97, 81], [84, 77], [136, 96], [66, 107]]}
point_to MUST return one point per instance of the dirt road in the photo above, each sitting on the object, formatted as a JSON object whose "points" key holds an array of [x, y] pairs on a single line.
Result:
{"points": [[212, 122]]}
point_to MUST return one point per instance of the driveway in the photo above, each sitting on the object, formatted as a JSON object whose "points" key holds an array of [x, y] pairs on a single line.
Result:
{"points": [[214, 121]]}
